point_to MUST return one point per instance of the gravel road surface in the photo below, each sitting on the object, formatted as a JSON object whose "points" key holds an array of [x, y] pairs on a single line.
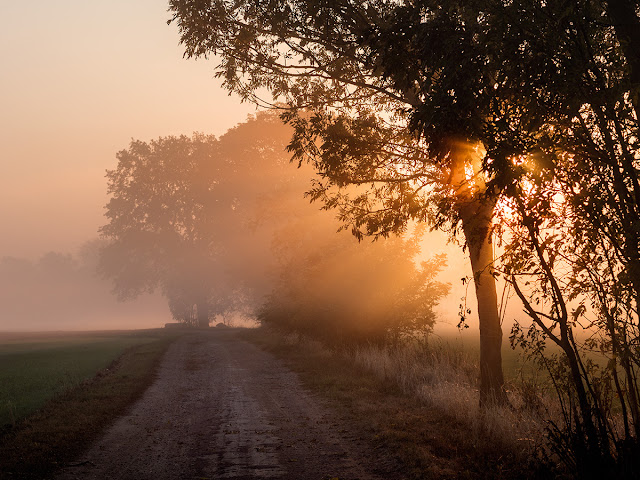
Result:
{"points": [[221, 408]]}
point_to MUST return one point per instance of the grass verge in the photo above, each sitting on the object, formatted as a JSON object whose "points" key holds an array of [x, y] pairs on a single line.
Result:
{"points": [[58, 432], [35, 367], [421, 439]]}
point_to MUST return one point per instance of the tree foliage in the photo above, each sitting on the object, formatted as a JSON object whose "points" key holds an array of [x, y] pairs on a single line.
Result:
{"points": [[573, 260], [551, 89], [180, 217], [330, 287]]}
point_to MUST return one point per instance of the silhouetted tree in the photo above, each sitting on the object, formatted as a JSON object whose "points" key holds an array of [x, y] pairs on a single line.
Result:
{"points": [[183, 216], [393, 97], [574, 261]]}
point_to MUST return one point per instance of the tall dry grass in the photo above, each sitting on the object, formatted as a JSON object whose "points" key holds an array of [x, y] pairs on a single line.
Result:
{"points": [[445, 377]]}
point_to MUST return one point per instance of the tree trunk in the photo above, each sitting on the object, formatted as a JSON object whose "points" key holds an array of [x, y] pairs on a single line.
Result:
{"points": [[475, 207], [476, 224], [203, 314]]}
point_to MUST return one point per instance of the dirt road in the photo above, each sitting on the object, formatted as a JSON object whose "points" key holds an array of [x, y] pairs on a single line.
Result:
{"points": [[221, 408]]}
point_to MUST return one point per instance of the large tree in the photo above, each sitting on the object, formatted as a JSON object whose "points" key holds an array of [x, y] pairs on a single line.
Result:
{"points": [[393, 97], [400, 95], [181, 212], [160, 228]]}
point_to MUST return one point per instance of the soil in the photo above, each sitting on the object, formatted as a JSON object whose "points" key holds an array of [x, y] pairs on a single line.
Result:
{"points": [[221, 408]]}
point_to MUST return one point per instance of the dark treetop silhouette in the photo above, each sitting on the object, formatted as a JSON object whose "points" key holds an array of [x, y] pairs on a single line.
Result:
{"points": [[396, 95]]}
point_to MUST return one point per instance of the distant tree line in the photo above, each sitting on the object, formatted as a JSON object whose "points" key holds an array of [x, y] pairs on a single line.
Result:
{"points": [[62, 291]]}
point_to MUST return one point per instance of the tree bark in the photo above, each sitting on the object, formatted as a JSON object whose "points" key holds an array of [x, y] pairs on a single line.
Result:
{"points": [[476, 224], [475, 207], [203, 314]]}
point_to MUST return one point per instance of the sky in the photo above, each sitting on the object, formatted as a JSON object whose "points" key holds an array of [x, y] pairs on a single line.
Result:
{"points": [[78, 81]]}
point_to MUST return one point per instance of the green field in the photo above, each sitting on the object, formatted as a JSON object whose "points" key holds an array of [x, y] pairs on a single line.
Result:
{"points": [[36, 367]]}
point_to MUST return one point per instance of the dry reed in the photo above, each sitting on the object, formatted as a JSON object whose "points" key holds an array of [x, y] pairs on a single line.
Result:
{"points": [[444, 376]]}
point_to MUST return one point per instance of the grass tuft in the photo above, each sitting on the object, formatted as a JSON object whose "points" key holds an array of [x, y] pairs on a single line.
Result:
{"points": [[445, 378]]}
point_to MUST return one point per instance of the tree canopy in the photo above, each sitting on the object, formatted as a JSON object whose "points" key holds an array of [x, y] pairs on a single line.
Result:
{"points": [[221, 223], [180, 217], [378, 100], [440, 111]]}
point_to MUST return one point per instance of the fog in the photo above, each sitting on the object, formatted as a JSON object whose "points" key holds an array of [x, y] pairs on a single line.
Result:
{"points": [[61, 291], [232, 236], [202, 229], [70, 106]]}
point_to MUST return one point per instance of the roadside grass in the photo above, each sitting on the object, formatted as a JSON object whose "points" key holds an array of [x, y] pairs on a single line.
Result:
{"points": [[419, 407], [36, 367], [75, 411], [467, 345]]}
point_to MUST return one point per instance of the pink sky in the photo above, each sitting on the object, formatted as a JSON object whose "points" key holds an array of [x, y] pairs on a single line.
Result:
{"points": [[79, 81]]}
